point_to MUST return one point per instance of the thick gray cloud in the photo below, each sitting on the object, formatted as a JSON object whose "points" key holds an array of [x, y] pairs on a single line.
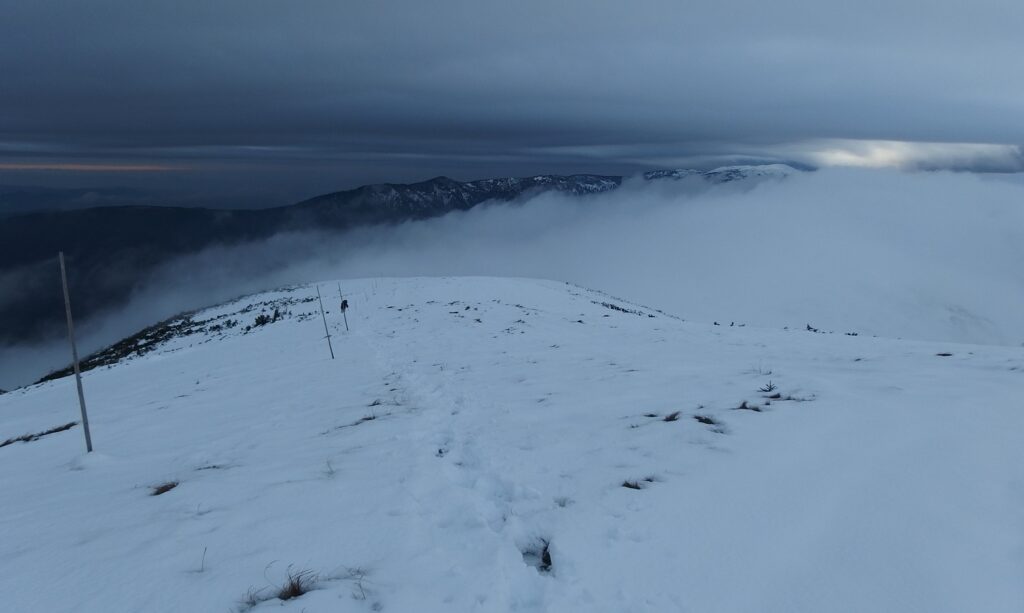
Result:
{"points": [[326, 94]]}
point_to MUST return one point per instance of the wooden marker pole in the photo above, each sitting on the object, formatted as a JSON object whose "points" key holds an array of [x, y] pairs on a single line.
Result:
{"points": [[74, 354], [326, 331], [344, 307]]}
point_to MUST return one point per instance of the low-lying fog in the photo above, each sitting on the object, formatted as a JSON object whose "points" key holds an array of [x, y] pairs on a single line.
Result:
{"points": [[936, 256]]}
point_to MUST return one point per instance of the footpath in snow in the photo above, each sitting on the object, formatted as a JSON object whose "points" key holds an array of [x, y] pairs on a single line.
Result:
{"points": [[516, 445]]}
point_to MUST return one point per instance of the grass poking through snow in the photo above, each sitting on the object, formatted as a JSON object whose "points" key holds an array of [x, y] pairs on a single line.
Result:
{"points": [[163, 488], [28, 438]]}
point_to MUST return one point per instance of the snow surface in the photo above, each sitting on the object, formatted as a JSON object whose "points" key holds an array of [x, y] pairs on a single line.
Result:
{"points": [[507, 413]]}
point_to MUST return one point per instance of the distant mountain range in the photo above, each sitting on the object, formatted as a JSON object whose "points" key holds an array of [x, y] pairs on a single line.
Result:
{"points": [[111, 248], [21, 199]]}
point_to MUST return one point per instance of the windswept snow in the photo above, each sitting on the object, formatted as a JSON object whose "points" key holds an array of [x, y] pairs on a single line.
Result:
{"points": [[468, 451]]}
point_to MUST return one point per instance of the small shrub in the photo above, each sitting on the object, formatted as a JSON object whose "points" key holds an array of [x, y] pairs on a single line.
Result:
{"points": [[671, 416], [637, 484], [296, 584], [211, 467], [252, 598], [767, 389], [798, 398], [704, 419], [163, 488], [357, 576], [361, 420]]}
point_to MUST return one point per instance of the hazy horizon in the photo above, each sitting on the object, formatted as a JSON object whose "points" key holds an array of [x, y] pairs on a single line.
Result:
{"points": [[268, 103]]}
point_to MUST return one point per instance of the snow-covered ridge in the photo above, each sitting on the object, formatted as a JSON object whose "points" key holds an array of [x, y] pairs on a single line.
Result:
{"points": [[443, 193], [725, 174], [490, 444]]}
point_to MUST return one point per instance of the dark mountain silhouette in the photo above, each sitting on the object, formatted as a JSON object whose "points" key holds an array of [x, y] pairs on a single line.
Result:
{"points": [[21, 199]]}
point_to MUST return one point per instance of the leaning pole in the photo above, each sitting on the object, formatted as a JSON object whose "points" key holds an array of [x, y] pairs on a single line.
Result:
{"points": [[74, 354], [327, 332]]}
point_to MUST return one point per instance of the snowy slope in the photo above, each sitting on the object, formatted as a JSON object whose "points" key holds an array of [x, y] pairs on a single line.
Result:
{"points": [[466, 422]]}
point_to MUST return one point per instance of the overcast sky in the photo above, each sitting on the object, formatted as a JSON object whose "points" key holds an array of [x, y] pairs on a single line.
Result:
{"points": [[282, 100]]}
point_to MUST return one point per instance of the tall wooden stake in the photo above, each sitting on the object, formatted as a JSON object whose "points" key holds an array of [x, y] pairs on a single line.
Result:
{"points": [[74, 354], [342, 301], [326, 331]]}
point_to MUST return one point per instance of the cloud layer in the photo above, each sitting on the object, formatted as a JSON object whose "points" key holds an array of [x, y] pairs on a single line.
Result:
{"points": [[930, 256], [319, 95]]}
